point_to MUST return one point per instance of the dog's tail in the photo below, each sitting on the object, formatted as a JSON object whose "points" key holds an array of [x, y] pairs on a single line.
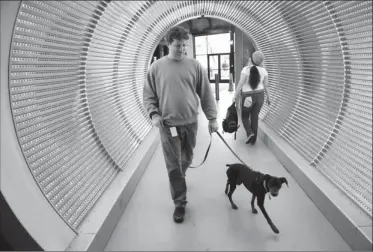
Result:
{"points": [[228, 165]]}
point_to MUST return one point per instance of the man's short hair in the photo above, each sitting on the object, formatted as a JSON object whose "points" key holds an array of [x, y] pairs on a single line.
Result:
{"points": [[177, 33]]}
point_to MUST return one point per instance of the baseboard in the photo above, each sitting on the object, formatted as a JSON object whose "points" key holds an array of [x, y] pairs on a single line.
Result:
{"points": [[98, 226], [354, 225]]}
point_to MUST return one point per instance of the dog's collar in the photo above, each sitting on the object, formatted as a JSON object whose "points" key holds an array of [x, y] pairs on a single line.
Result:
{"points": [[265, 188], [258, 179]]}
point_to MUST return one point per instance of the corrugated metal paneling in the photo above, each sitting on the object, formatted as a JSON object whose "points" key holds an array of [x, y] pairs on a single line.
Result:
{"points": [[77, 69]]}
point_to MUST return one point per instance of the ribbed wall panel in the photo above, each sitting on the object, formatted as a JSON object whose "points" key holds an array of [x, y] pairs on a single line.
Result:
{"points": [[113, 82], [77, 70], [50, 109], [346, 158]]}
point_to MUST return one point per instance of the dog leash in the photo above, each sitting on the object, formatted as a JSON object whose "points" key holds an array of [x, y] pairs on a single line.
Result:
{"points": [[230, 148], [207, 152], [208, 149]]}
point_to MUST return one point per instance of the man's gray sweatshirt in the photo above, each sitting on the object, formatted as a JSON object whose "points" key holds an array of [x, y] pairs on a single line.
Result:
{"points": [[172, 88]]}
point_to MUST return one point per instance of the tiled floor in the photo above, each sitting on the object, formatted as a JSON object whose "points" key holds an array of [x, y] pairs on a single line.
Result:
{"points": [[211, 224]]}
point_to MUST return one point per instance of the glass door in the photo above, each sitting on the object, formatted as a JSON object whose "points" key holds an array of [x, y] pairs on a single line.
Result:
{"points": [[218, 64], [224, 67], [213, 67]]}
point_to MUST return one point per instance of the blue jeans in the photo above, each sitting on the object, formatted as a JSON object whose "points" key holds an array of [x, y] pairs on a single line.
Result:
{"points": [[250, 115], [178, 155]]}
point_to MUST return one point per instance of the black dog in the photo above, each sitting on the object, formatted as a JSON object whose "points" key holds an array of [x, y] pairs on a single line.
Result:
{"points": [[257, 183]]}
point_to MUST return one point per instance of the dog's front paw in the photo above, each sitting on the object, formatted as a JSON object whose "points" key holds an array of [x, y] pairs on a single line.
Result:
{"points": [[234, 206], [254, 211], [274, 229]]}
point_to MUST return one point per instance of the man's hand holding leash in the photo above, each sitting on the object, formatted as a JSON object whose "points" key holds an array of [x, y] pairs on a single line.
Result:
{"points": [[157, 121], [213, 126]]}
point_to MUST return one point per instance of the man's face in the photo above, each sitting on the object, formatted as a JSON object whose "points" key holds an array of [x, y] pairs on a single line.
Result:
{"points": [[177, 48]]}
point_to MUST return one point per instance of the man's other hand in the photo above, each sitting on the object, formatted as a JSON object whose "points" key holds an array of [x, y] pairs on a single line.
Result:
{"points": [[157, 121], [213, 126]]}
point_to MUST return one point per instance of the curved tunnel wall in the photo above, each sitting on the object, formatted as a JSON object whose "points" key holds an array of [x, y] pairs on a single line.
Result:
{"points": [[77, 68]]}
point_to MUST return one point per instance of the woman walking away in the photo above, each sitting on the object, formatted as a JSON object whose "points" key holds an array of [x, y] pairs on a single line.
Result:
{"points": [[253, 83]]}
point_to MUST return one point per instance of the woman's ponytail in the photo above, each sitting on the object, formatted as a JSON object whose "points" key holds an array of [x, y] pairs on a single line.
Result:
{"points": [[257, 59], [254, 77]]}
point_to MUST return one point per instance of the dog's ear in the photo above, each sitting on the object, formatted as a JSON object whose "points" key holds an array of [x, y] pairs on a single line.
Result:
{"points": [[267, 177], [283, 180]]}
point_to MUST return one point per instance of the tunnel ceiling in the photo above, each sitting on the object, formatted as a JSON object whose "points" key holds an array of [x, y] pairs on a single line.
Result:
{"points": [[77, 69]]}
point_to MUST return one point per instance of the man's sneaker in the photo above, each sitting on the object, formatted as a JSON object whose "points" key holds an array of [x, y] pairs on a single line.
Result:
{"points": [[249, 138], [179, 214]]}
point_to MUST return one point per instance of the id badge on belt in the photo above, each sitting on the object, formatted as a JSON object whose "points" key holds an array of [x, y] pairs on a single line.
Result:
{"points": [[173, 131]]}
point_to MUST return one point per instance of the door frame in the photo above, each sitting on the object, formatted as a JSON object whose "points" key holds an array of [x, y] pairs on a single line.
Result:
{"points": [[219, 67]]}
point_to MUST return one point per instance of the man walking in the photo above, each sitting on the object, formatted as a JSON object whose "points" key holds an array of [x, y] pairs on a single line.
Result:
{"points": [[171, 92]]}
